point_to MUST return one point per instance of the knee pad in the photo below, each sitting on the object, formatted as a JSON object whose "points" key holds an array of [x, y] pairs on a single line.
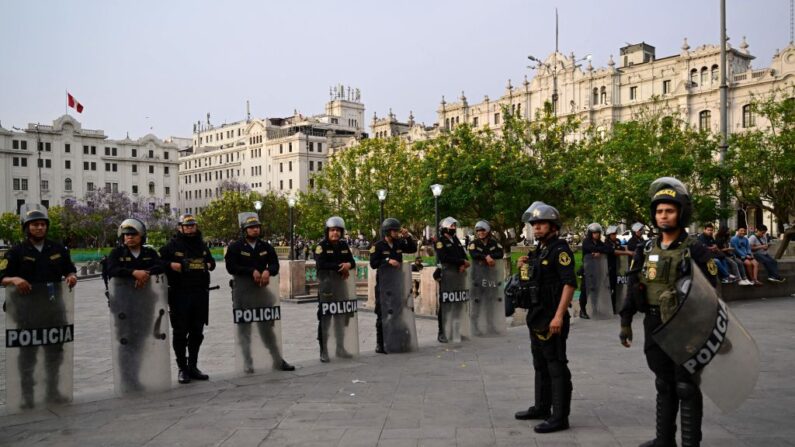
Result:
{"points": [[558, 370], [686, 390], [662, 386]]}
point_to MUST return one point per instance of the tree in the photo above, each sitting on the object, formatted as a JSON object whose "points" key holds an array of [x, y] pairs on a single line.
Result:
{"points": [[219, 219], [763, 160], [10, 228]]}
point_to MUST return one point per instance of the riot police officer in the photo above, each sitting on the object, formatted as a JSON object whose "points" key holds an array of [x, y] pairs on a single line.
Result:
{"points": [[655, 269], [250, 256], [189, 263], [34, 262], [636, 238], [552, 286], [131, 259], [594, 246], [485, 248], [449, 253], [395, 241], [333, 254]]}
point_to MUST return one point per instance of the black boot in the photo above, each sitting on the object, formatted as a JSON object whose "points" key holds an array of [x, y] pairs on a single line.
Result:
{"points": [[667, 407], [561, 395], [543, 402], [196, 374], [286, 366], [584, 314], [692, 413], [441, 337], [379, 349], [183, 376], [323, 354]]}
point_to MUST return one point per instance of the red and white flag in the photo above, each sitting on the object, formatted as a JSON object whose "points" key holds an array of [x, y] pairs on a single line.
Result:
{"points": [[73, 103]]}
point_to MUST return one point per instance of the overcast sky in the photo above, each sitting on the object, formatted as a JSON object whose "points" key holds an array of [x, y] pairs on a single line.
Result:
{"points": [[163, 65]]}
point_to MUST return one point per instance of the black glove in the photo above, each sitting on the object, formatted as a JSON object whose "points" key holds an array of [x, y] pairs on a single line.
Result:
{"points": [[625, 334]]}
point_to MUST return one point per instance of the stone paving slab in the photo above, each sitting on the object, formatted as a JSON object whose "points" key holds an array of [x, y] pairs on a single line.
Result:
{"points": [[443, 395]]}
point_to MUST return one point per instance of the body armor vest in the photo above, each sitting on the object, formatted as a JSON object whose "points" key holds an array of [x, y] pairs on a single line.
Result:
{"points": [[660, 269]]}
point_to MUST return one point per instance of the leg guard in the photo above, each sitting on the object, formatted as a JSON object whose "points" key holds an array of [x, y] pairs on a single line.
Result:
{"points": [[692, 413]]}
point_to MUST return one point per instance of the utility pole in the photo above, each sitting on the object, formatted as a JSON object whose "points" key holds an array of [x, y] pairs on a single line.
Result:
{"points": [[724, 118]]}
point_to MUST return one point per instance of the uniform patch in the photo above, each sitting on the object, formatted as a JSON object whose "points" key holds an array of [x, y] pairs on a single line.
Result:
{"points": [[372, 249], [3, 264], [55, 256], [179, 253], [439, 245], [564, 258], [319, 249], [712, 268], [245, 253], [471, 247], [544, 262], [263, 253], [651, 273]]}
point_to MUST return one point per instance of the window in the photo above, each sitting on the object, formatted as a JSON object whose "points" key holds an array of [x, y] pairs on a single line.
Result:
{"points": [[45, 185], [93, 150], [151, 153], [281, 184], [85, 150], [603, 95], [45, 163], [165, 170], [115, 187], [320, 166], [90, 186], [135, 189], [23, 145], [134, 169], [497, 118], [704, 76], [749, 120], [24, 183], [281, 167], [714, 72], [666, 86], [694, 78], [107, 187], [704, 120], [151, 169], [107, 167], [67, 184], [107, 151], [67, 148], [475, 122], [291, 184], [281, 149], [15, 144], [290, 166], [135, 153], [311, 165], [165, 155], [151, 188], [16, 161], [86, 166], [93, 166], [289, 147], [167, 190], [633, 93], [67, 164], [311, 183], [114, 151], [23, 162], [114, 167], [320, 147], [311, 146], [15, 184]]}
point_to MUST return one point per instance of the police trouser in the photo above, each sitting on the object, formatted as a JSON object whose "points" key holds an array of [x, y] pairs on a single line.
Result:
{"points": [[131, 335], [268, 337], [53, 357], [324, 323], [553, 385], [675, 386], [188, 317], [583, 295], [379, 328], [613, 283]]}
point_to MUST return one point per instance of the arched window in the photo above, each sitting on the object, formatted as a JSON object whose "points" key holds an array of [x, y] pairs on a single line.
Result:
{"points": [[704, 120], [151, 188], [749, 120], [595, 96], [694, 77], [715, 75], [704, 76], [603, 95], [67, 184]]}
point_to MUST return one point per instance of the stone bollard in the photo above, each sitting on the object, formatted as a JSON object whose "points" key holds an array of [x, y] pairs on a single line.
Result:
{"points": [[83, 270], [292, 281], [429, 292], [92, 267], [371, 272]]}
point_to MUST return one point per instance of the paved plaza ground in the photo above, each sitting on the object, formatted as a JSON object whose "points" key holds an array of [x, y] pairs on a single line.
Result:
{"points": [[443, 395]]}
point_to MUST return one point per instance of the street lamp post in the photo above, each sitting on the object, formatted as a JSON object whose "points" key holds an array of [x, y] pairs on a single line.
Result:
{"points": [[291, 205], [258, 206], [436, 189], [382, 198]]}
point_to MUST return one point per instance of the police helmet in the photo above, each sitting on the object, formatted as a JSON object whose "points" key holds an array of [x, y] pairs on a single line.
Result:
{"points": [[637, 226], [594, 228], [671, 190], [132, 226], [335, 222], [186, 219], [33, 211], [483, 225], [446, 225], [612, 229], [389, 224], [539, 212], [248, 219]]}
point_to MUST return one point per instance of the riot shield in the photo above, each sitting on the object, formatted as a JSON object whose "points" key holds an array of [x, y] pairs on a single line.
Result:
{"points": [[705, 338], [139, 335], [39, 348], [597, 282], [622, 265], [488, 299], [454, 300], [257, 316], [337, 309], [397, 309]]}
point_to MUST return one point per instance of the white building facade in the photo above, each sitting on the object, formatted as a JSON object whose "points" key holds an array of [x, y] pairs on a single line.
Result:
{"points": [[277, 155], [50, 164]]}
